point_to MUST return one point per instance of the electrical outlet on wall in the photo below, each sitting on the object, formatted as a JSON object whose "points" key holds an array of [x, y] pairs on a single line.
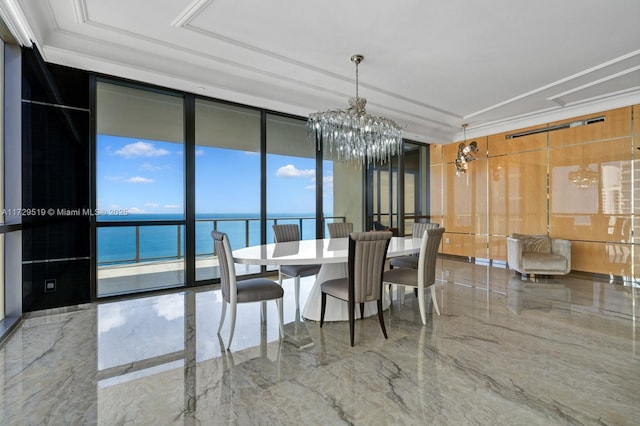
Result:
{"points": [[49, 285]]}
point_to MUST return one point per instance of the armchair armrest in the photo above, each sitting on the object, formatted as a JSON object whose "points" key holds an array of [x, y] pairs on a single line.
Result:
{"points": [[514, 253], [563, 248]]}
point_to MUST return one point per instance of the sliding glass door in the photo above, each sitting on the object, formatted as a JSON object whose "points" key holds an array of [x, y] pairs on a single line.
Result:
{"points": [[227, 181], [140, 200]]}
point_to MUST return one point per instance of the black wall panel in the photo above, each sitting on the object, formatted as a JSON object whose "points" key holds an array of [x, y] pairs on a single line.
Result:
{"points": [[55, 183]]}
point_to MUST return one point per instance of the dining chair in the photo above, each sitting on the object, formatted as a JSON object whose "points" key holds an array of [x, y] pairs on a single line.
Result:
{"points": [[367, 253], [291, 232], [250, 290], [411, 261], [340, 229], [424, 275]]}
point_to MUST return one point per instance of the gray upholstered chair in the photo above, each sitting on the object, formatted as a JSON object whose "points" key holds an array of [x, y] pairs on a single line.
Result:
{"points": [[411, 261], [425, 274], [367, 253], [340, 229], [291, 232], [538, 254], [251, 290]]}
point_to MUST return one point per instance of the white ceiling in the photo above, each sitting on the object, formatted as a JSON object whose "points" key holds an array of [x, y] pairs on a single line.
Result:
{"points": [[429, 65]]}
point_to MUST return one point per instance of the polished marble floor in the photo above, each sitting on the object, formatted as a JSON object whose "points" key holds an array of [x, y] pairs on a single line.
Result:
{"points": [[504, 351]]}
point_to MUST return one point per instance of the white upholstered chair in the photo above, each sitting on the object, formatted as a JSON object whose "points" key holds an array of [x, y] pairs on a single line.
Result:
{"points": [[250, 290], [340, 229], [411, 261], [367, 253], [424, 275], [538, 254], [291, 232]]}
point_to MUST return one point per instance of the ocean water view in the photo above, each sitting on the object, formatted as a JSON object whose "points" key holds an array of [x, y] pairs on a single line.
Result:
{"points": [[128, 244]]}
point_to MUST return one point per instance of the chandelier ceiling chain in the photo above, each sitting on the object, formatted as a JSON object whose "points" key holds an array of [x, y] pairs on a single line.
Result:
{"points": [[354, 135]]}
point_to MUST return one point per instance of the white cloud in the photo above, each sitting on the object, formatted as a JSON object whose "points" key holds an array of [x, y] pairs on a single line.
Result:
{"points": [[139, 179], [199, 152], [150, 167], [152, 205], [310, 187], [171, 206], [291, 171], [114, 178], [135, 210], [141, 149]]}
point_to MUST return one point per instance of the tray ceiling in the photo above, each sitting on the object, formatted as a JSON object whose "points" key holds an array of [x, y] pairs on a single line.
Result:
{"points": [[430, 66]]}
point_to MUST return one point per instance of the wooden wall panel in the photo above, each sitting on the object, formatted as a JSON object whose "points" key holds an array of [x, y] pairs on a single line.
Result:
{"points": [[465, 206], [522, 185], [601, 258], [465, 245], [602, 211], [499, 145], [617, 124], [518, 194], [497, 248]]}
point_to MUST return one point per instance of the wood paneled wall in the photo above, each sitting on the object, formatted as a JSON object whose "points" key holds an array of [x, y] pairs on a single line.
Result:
{"points": [[524, 185]]}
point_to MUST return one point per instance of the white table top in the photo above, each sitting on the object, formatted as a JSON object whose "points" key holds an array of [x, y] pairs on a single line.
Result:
{"points": [[329, 250]]}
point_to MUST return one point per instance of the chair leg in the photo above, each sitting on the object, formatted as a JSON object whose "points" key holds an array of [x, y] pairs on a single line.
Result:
{"points": [[323, 306], [434, 299], [297, 291], [361, 310], [224, 311], [232, 314], [400, 290], [423, 312], [263, 311], [352, 307], [415, 291], [381, 318], [280, 316]]}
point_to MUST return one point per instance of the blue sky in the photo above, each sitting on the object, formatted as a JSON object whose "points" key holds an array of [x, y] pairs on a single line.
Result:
{"points": [[143, 176]]}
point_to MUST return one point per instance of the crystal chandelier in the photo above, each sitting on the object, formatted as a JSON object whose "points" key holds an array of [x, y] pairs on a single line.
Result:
{"points": [[584, 177], [354, 135]]}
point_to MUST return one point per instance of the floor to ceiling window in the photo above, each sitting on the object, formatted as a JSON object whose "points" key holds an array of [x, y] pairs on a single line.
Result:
{"points": [[140, 199], [397, 190], [227, 181], [382, 200], [416, 166], [291, 176], [342, 192], [2, 210]]}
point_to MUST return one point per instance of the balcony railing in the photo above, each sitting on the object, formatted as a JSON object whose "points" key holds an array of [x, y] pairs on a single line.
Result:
{"points": [[243, 232]]}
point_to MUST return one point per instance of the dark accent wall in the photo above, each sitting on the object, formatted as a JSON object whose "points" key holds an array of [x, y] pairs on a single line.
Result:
{"points": [[56, 176]]}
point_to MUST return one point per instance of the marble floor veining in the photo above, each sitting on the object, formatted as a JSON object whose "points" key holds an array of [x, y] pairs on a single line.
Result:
{"points": [[504, 351]]}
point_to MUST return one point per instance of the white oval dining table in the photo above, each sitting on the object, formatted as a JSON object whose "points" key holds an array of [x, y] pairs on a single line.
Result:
{"points": [[332, 254]]}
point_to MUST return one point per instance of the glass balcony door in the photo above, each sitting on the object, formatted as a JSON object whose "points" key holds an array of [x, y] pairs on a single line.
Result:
{"points": [[140, 196]]}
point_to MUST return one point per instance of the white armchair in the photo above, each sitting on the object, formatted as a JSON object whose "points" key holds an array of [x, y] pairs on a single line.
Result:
{"points": [[539, 254]]}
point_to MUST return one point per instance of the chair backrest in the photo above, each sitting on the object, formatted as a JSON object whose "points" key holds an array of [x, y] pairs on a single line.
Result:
{"points": [[428, 255], [340, 229], [367, 254], [286, 232], [227, 267], [418, 228]]}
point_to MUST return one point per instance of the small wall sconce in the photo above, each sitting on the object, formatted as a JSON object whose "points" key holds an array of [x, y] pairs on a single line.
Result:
{"points": [[465, 153]]}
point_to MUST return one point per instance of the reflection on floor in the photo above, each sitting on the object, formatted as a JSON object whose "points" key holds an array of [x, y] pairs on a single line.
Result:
{"points": [[504, 351]]}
